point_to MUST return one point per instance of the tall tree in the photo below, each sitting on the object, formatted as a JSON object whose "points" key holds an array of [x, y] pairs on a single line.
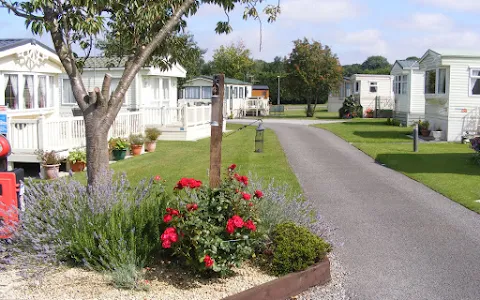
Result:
{"points": [[412, 58], [146, 28], [313, 72], [349, 70], [375, 62], [233, 60]]}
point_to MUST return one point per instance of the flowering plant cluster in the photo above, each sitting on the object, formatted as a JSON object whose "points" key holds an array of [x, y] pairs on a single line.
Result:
{"points": [[369, 113], [213, 230]]}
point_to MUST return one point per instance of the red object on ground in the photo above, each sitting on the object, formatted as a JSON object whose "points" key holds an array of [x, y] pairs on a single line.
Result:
{"points": [[8, 204], [5, 148]]}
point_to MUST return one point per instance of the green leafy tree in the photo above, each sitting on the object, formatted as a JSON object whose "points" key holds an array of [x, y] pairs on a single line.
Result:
{"points": [[313, 72], [233, 60], [349, 70], [375, 62], [144, 28], [412, 58]]}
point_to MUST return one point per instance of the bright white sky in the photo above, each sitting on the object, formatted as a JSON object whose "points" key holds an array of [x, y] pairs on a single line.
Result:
{"points": [[354, 29]]}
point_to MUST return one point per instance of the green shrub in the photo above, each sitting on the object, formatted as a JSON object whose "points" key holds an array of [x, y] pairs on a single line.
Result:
{"points": [[213, 230], [152, 134], [294, 248], [389, 121], [350, 109], [77, 155], [395, 122]]}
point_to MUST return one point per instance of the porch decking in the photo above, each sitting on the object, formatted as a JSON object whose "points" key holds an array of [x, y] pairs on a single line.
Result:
{"points": [[63, 134]]}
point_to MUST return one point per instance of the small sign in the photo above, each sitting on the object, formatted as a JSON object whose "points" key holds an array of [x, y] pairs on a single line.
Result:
{"points": [[464, 110], [3, 124]]}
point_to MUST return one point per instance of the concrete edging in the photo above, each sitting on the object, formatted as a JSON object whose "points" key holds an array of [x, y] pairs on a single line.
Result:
{"points": [[289, 285]]}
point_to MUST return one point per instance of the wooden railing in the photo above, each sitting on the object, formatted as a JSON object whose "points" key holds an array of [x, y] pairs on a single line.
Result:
{"points": [[28, 135]]}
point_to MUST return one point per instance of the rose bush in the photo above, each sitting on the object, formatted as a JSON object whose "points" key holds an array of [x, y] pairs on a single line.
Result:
{"points": [[213, 230]]}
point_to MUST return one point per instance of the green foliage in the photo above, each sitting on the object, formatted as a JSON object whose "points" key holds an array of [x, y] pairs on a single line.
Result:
{"points": [[350, 109], [118, 143], [152, 134], [77, 155], [412, 58], [313, 72], [294, 248], [372, 65], [48, 157], [136, 139], [393, 122], [423, 124], [233, 60], [219, 223]]}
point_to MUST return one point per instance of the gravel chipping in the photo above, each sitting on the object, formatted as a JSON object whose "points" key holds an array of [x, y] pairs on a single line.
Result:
{"points": [[334, 290], [74, 283]]}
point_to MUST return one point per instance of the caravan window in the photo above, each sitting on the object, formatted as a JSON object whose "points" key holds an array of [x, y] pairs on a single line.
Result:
{"points": [[373, 87], [474, 82]]}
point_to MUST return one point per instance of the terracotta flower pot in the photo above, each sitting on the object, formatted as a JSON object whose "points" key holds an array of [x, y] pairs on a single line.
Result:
{"points": [[151, 146], [425, 132], [51, 171], [137, 150], [79, 166]]}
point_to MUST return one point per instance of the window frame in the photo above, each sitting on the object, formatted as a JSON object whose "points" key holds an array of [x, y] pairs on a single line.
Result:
{"points": [[63, 92], [470, 77], [357, 87], [437, 81], [373, 84]]}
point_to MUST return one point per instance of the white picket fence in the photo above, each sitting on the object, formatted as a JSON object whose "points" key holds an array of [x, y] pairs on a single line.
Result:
{"points": [[59, 134]]}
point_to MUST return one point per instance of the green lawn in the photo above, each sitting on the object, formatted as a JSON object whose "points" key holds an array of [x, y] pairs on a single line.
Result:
{"points": [[444, 167], [173, 160]]}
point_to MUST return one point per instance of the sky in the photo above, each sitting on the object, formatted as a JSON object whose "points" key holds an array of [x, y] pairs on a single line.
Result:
{"points": [[354, 29]]}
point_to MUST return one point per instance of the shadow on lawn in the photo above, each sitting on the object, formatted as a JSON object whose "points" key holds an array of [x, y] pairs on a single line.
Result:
{"points": [[447, 163], [374, 122], [383, 135]]}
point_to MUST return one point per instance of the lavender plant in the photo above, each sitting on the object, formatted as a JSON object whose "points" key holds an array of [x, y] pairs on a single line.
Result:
{"points": [[112, 227], [279, 205]]}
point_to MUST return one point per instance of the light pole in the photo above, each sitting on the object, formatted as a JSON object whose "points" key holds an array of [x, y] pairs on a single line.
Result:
{"points": [[278, 92]]}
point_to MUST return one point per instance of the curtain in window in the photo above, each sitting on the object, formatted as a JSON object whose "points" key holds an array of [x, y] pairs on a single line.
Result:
{"points": [[442, 80], [67, 93], [166, 89], [241, 95], [192, 92], [156, 88], [11, 91], [475, 86], [28, 95], [50, 92], [42, 91], [207, 92]]}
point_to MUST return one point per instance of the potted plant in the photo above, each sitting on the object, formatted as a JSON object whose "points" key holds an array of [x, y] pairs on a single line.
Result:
{"points": [[151, 136], [423, 126], [77, 159], [119, 147], [437, 133], [50, 161], [369, 113], [136, 142]]}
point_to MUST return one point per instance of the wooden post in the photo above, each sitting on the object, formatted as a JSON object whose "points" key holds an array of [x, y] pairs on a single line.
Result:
{"points": [[216, 130]]}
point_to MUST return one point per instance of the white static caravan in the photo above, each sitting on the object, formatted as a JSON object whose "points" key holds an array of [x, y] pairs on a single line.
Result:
{"points": [[29, 74], [373, 91], [198, 91], [151, 87], [408, 87], [452, 92], [335, 99]]}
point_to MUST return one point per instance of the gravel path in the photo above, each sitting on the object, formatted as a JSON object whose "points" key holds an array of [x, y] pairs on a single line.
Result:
{"points": [[401, 240]]}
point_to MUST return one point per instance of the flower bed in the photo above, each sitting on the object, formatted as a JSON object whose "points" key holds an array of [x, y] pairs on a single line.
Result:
{"points": [[208, 232]]}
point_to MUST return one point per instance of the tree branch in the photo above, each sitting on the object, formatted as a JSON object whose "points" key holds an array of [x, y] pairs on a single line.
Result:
{"points": [[107, 80], [136, 62], [63, 51], [20, 13]]}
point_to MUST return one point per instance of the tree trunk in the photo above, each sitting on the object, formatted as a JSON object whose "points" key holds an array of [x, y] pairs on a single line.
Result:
{"points": [[310, 110], [97, 149]]}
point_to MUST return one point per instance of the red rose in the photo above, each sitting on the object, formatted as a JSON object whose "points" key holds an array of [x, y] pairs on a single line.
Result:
{"points": [[237, 221], [258, 194], [167, 218], [174, 212], [242, 179], [232, 167], [158, 178], [195, 206], [250, 225], [168, 237], [208, 261], [246, 196], [250, 204], [192, 206], [166, 244], [230, 227]]}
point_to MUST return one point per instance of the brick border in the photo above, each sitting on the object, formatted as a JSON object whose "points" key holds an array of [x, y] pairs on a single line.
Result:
{"points": [[288, 286]]}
